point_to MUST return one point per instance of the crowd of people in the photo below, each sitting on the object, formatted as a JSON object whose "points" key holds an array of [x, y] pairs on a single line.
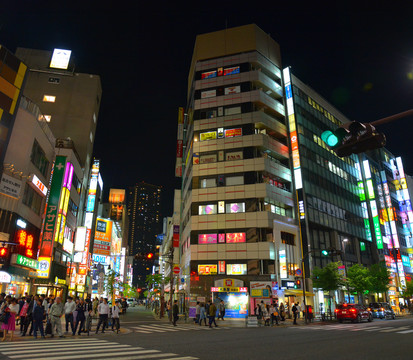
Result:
{"points": [[276, 313], [32, 312]]}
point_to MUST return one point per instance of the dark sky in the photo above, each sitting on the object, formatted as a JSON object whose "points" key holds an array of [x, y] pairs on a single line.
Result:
{"points": [[358, 58]]}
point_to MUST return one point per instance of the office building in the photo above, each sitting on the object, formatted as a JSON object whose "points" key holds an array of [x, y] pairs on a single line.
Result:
{"points": [[236, 178], [69, 100], [145, 223]]}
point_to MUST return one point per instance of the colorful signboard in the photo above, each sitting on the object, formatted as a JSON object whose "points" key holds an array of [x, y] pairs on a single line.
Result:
{"points": [[49, 227], [37, 185], [210, 135], [235, 238], [207, 239], [43, 270], [283, 264], [9, 185], [207, 269], [27, 262], [236, 269], [233, 132], [103, 237]]}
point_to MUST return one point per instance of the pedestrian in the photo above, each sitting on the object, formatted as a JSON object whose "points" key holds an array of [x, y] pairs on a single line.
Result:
{"points": [[207, 305], [38, 316], [274, 314], [87, 313], [294, 310], [175, 312], [212, 314], [115, 316], [80, 317], [221, 310], [29, 317], [11, 309], [23, 314], [202, 314], [95, 305], [197, 312], [282, 312], [70, 307], [266, 315], [298, 309], [55, 313], [103, 311]]}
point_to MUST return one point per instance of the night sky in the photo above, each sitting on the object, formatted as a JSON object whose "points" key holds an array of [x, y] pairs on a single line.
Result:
{"points": [[359, 59]]}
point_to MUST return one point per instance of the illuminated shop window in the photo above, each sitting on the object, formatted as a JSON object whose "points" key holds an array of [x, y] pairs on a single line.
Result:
{"points": [[49, 98]]}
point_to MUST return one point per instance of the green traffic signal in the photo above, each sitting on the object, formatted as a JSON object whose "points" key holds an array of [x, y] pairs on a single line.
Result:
{"points": [[324, 252], [329, 138]]}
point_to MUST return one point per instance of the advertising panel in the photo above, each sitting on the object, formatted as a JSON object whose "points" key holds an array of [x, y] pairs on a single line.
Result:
{"points": [[283, 264], [175, 236], [236, 269], [207, 269], [60, 59], [49, 226], [103, 237], [80, 238], [233, 132], [232, 70], [116, 196], [210, 135], [235, 238], [208, 94], [232, 90], [263, 289], [235, 155], [43, 270], [207, 159], [37, 185], [10, 186], [207, 239]]}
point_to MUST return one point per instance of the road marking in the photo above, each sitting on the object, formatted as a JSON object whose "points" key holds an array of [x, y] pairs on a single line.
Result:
{"points": [[143, 331], [44, 342], [143, 327], [72, 351], [150, 356], [79, 352], [395, 329], [47, 346], [160, 327], [405, 332], [381, 328], [182, 358], [89, 356]]}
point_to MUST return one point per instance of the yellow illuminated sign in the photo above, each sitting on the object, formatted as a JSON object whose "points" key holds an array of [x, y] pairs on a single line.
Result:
{"points": [[211, 135]]}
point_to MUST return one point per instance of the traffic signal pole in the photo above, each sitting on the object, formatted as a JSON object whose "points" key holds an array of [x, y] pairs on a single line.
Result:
{"points": [[392, 118]]}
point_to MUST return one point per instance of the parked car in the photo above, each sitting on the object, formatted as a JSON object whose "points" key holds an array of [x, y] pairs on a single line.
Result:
{"points": [[132, 302], [382, 310], [353, 312]]}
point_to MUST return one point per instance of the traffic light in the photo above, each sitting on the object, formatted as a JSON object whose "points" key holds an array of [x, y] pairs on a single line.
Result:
{"points": [[325, 252], [297, 284], [353, 138], [3, 255], [149, 256], [139, 290], [330, 252]]}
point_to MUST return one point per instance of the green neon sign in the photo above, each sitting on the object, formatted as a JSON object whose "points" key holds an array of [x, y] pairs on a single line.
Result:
{"points": [[27, 262], [377, 231]]}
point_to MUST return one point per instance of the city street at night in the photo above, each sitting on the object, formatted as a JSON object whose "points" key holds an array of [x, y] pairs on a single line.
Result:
{"points": [[142, 337]]}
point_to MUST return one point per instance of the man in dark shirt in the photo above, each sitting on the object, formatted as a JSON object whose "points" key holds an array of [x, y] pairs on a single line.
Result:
{"points": [[175, 312]]}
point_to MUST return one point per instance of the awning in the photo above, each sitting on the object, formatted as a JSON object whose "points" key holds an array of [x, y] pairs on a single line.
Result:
{"points": [[297, 292]]}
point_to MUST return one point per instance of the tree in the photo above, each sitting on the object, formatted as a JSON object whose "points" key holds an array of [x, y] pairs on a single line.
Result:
{"points": [[328, 279], [129, 291], [379, 279], [407, 292], [112, 282], [358, 279]]}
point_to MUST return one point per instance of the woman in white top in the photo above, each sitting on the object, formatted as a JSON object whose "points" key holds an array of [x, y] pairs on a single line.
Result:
{"points": [[13, 310]]}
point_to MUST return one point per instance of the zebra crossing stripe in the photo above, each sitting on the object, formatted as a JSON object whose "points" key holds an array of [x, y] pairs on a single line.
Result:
{"points": [[31, 343], [117, 355], [161, 327], [183, 358], [56, 345], [396, 329], [142, 331], [152, 356], [149, 328], [59, 349], [167, 327], [405, 332]]}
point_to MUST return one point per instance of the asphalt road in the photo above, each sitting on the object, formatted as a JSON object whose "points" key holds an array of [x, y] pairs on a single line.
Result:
{"points": [[143, 337]]}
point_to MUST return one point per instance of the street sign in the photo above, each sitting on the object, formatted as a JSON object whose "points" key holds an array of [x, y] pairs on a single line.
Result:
{"points": [[298, 272], [176, 270]]}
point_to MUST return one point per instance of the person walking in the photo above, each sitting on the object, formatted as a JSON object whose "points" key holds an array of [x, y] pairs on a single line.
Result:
{"points": [[55, 313], [115, 316], [103, 311], [70, 307], [11, 309], [80, 317], [29, 316], [212, 314], [175, 312], [298, 309], [38, 315], [202, 314], [197, 312], [23, 314], [282, 312], [276, 313], [295, 311], [221, 310]]}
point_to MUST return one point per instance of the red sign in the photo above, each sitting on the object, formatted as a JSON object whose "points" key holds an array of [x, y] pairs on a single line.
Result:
{"points": [[176, 236], [233, 132], [235, 238], [26, 243], [221, 267], [176, 270]]}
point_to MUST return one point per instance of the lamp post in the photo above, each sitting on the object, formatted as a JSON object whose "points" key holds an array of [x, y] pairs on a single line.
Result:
{"points": [[343, 244]]}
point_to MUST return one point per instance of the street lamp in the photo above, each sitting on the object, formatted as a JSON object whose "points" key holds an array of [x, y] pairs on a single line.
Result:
{"points": [[343, 259]]}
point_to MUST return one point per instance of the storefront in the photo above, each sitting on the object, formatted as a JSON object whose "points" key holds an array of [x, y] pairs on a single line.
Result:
{"points": [[262, 291], [234, 295]]}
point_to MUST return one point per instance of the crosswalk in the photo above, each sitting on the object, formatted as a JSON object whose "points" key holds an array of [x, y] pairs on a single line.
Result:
{"points": [[87, 348], [163, 328], [358, 327]]}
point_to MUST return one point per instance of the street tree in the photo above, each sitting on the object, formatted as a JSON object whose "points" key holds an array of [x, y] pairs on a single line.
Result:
{"points": [[328, 279], [112, 282], [129, 291], [156, 284], [407, 292], [358, 280], [379, 279]]}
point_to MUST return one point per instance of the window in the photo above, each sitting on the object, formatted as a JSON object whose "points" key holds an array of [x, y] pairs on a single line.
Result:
{"points": [[32, 199], [73, 207], [207, 209], [76, 183], [235, 180], [49, 98], [234, 208], [233, 110], [287, 238], [206, 183], [38, 158]]}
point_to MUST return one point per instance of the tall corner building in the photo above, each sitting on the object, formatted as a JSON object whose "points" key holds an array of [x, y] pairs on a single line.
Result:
{"points": [[145, 223], [69, 100], [236, 178]]}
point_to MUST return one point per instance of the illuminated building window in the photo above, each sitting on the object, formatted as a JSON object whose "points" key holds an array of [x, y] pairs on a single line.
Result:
{"points": [[49, 98], [48, 117]]}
